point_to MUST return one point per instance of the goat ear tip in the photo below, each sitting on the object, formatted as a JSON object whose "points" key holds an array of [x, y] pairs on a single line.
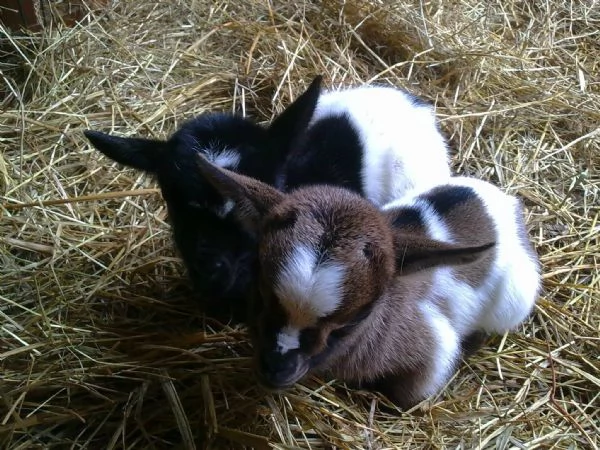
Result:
{"points": [[91, 134], [100, 140]]}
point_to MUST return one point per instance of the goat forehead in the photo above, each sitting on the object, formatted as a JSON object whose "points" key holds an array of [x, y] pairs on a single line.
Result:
{"points": [[308, 288], [227, 158], [218, 153]]}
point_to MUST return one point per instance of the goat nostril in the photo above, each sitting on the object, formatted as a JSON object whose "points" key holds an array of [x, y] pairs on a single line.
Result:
{"points": [[277, 369]]}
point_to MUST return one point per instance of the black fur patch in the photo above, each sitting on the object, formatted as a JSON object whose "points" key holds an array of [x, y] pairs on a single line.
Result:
{"points": [[331, 154], [445, 198], [408, 217], [219, 132], [473, 342]]}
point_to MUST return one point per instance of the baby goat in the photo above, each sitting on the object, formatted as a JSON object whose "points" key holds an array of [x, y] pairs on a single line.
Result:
{"points": [[381, 299]]}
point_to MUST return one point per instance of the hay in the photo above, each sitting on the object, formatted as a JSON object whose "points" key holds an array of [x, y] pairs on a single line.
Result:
{"points": [[101, 345]]}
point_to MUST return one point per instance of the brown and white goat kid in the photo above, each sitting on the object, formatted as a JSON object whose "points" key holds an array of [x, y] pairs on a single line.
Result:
{"points": [[381, 299]]}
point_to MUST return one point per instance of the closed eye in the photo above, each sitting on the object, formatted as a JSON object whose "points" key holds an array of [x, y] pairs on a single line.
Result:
{"points": [[195, 204], [369, 251], [341, 332]]}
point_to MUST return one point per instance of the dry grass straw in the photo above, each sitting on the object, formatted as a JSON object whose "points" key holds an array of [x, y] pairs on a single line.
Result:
{"points": [[100, 345]]}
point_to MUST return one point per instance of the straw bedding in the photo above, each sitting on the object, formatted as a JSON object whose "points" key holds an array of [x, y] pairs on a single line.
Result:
{"points": [[101, 345]]}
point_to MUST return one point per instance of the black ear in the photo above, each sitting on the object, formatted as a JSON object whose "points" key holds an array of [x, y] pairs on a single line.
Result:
{"points": [[287, 128], [415, 254], [138, 153]]}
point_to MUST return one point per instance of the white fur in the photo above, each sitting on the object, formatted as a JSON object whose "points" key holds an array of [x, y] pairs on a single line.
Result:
{"points": [[288, 339], [464, 301], [304, 284], [226, 208], [228, 159], [446, 352], [404, 148]]}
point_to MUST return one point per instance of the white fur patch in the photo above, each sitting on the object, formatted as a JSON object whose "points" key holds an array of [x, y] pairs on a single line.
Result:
{"points": [[463, 301], [225, 208], [288, 339], [228, 159], [403, 147], [304, 285], [446, 351], [434, 224]]}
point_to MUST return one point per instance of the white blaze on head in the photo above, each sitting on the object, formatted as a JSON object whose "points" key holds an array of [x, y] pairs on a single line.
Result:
{"points": [[228, 159], [306, 291], [225, 209], [288, 339]]}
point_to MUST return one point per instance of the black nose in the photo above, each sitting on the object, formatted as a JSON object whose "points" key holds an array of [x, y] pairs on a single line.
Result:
{"points": [[276, 368]]}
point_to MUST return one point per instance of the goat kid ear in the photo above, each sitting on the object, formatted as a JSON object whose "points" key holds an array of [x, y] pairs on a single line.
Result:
{"points": [[287, 128], [138, 153], [415, 254], [253, 199]]}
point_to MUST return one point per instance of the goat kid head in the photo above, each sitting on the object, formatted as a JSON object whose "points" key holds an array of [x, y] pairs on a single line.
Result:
{"points": [[326, 256], [213, 247]]}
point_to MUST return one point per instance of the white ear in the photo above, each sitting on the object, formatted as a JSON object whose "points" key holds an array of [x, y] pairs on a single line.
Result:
{"points": [[252, 198]]}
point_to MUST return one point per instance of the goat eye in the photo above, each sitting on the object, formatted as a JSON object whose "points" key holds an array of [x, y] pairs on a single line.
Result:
{"points": [[368, 250], [309, 338], [194, 204], [339, 333]]}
